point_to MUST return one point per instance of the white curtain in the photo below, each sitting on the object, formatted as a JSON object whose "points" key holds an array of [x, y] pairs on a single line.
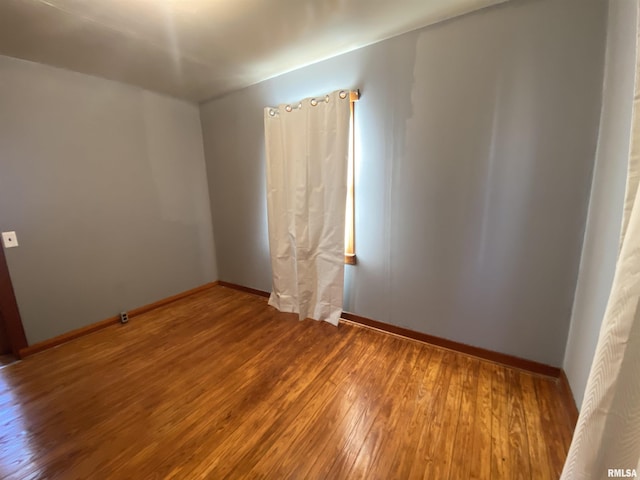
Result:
{"points": [[607, 435], [307, 147]]}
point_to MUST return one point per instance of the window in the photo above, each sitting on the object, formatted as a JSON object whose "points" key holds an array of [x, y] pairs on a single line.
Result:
{"points": [[349, 230]]}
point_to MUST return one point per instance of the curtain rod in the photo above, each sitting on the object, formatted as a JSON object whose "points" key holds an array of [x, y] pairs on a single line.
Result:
{"points": [[354, 96]]}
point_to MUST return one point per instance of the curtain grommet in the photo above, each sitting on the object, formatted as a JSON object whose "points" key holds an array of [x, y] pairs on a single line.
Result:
{"points": [[343, 94], [314, 102]]}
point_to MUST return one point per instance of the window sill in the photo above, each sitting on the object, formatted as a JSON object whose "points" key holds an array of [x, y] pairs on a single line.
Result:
{"points": [[350, 259]]}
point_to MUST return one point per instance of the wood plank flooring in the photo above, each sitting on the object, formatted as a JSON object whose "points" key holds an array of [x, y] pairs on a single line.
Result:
{"points": [[219, 385], [6, 359]]}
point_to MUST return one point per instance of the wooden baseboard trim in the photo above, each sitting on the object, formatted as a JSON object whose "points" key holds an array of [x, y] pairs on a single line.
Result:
{"points": [[165, 301], [568, 399], [65, 337], [253, 291], [80, 332], [497, 357], [502, 358]]}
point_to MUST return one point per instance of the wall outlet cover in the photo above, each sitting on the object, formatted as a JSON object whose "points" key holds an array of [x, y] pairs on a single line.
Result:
{"points": [[9, 239]]}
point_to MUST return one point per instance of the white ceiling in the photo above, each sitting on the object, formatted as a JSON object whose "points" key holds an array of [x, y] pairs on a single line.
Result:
{"points": [[199, 49]]}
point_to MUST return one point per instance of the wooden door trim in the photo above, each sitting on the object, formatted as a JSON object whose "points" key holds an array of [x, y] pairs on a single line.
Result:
{"points": [[9, 308]]}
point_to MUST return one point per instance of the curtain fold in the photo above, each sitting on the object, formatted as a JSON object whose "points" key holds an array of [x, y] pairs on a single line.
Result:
{"points": [[607, 435], [307, 148]]}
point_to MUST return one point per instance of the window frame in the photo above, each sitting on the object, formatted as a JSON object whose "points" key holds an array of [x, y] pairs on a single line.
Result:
{"points": [[350, 213]]}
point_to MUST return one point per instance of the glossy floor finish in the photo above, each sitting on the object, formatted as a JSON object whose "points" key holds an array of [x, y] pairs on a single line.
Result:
{"points": [[219, 385], [7, 359]]}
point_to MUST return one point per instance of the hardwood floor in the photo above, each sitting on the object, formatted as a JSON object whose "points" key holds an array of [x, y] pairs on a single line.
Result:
{"points": [[7, 359], [219, 385]]}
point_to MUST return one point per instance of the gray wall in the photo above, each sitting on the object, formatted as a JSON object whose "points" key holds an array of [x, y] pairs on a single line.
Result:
{"points": [[476, 143], [602, 235], [106, 188]]}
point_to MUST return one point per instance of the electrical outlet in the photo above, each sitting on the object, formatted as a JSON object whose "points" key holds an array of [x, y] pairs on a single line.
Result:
{"points": [[9, 239]]}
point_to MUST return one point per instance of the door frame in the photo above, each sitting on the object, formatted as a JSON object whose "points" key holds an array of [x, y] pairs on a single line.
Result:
{"points": [[9, 308]]}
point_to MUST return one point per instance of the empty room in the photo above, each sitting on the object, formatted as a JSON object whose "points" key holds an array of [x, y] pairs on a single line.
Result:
{"points": [[319, 239]]}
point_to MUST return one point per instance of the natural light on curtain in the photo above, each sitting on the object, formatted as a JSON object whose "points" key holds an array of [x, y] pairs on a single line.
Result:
{"points": [[307, 148], [607, 436]]}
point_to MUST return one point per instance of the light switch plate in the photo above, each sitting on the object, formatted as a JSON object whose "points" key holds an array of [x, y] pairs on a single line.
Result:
{"points": [[9, 239]]}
